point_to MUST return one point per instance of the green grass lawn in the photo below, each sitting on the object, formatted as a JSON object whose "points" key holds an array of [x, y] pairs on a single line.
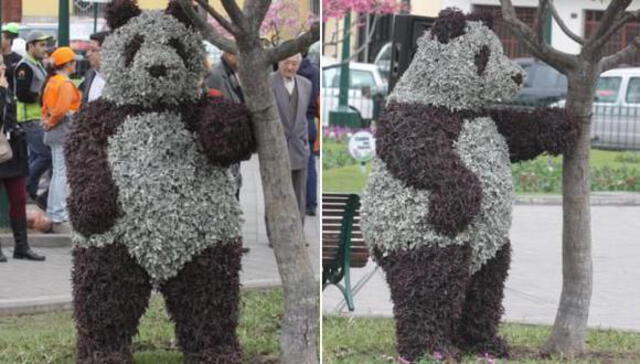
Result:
{"points": [[349, 340], [614, 170], [50, 337]]}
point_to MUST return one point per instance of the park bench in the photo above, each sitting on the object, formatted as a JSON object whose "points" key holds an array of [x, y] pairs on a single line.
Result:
{"points": [[343, 245]]}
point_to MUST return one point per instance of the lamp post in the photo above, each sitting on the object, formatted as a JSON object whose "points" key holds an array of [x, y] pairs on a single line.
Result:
{"points": [[343, 115], [63, 23]]}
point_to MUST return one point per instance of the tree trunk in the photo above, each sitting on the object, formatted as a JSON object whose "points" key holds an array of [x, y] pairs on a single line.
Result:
{"points": [[298, 340], [569, 329]]}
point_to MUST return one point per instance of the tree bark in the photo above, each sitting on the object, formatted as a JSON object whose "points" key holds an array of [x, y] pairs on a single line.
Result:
{"points": [[569, 329], [298, 340]]}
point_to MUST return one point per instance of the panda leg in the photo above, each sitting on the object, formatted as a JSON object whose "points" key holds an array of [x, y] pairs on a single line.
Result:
{"points": [[110, 294], [427, 289], [479, 324], [203, 302]]}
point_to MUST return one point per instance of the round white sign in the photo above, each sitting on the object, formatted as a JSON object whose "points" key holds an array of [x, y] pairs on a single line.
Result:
{"points": [[362, 146]]}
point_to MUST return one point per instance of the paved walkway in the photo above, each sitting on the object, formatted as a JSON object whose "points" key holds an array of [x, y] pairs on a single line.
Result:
{"points": [[535, 280], [33, 286]]}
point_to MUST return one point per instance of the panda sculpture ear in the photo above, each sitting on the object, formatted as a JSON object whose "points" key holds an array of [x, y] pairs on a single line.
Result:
{"points": [[175, 9], [451, 23], [484, 16], [118, 12]]}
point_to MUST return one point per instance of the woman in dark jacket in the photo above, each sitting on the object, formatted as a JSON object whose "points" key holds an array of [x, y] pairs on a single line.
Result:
{"points": [[13, 174]]}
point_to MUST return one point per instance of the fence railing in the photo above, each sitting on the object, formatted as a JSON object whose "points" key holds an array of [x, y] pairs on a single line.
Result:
{"points": [[366, 105]]}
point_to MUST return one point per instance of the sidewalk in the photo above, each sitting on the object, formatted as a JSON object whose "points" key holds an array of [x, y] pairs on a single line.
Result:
{"points": [[35, 286], [535, 279]]}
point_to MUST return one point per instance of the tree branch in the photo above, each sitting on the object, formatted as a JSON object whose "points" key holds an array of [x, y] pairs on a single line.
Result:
{"points": [[207, 31], [554, 12], [236, 15], [293, 46], [560, 60], [613, 11], [256, 11], [598, 43], [613, 60], [218, 17]]}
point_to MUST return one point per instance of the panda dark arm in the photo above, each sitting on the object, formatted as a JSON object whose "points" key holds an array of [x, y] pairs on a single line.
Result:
{"points": [[416, 144], [531, 132], [223, 128], [93, 199]]}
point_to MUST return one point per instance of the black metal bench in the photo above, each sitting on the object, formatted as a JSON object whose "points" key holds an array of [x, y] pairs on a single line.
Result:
{"points": [[343, 245]]}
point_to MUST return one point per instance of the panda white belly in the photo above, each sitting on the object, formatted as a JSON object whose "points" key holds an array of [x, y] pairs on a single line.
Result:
{"points": [[175, 203], [394, 216]]}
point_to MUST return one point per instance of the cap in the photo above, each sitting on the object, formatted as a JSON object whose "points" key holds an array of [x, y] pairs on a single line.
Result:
{"points": [[37, 36], [13, 28], [62, 55]]}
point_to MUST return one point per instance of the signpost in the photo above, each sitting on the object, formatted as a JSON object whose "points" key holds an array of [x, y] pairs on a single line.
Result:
{"points": [[362, 147]]}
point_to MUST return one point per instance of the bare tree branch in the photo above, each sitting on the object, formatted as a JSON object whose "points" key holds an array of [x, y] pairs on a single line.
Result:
{"points": [[293, 46], [560, 60], [256, 11], [236, 15], [218, 17], [615, 59], [598, 43], [563, 25], [614, 10], [207, 31]]}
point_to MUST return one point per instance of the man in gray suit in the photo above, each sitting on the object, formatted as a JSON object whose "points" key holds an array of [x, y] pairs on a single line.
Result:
{"points": [[293, 94]]}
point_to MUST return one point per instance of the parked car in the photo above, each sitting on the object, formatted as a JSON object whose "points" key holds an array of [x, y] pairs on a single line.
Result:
{"points": [[543, 85], [616, 110], [365, 85]]}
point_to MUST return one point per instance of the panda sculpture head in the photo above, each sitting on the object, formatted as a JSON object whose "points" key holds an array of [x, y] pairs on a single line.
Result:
{"points": [[152, 57], [459, 64]]}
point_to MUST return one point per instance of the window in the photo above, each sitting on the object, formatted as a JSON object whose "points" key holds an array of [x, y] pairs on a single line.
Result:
{"points": [[513, 48], [608, 88], [619, 40], [633, 90]]}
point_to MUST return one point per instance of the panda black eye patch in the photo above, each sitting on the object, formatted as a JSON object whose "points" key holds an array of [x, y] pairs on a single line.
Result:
{"points": [[132, 48], [179, 47], [481, 59]]}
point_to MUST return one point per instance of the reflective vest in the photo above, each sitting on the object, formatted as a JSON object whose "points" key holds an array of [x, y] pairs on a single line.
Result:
{"points": [[27, 111]]}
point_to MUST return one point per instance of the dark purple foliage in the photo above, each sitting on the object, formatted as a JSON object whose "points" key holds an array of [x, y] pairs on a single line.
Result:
{"points": [[203, 300], [530, 132], [427, 289], [174, 9], [416, 143], [482, 310], [451, 23], [481, 59], [118, 12], [110, 294]]}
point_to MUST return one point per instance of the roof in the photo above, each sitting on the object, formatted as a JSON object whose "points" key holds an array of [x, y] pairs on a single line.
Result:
{"points": [[631, 71]]}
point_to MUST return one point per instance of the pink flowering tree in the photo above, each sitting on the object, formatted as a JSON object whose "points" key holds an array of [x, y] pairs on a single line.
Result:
{"points": [[337, 9]]}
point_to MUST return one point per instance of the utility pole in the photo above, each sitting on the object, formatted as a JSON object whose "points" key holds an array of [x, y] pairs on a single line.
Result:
{"points": [[343, 115], [63, 23]]}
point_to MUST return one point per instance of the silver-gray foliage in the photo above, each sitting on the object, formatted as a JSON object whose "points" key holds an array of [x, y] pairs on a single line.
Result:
{"points": [[394, 215], [134, 84], [445, 74], [176, 203]]}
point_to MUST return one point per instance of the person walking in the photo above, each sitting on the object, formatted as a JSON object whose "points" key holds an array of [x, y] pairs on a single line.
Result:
{"points": [[29, 78], [60, 99], [93, 82], [13, 174], [224, 79], [9, 33], [293, 94], [312, 73]]}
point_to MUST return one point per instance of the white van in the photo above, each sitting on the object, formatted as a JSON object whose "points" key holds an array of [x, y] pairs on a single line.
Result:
{"points": [[364, 82]]}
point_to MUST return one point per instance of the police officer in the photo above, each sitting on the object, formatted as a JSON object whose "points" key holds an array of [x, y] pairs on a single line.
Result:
{"points": [[9, 33], [29, 76]]}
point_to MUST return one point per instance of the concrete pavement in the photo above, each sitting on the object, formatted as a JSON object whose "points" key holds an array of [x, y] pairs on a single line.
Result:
{"points": [[535, 279], [38, 286]]}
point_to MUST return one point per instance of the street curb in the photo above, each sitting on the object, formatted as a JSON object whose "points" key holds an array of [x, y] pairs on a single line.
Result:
{"points": [[25, 306], [596, 199], [41, 240]]}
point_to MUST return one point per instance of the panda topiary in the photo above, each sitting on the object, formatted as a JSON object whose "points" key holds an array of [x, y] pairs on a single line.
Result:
{"points": [[152, 200], [436, 209]]}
